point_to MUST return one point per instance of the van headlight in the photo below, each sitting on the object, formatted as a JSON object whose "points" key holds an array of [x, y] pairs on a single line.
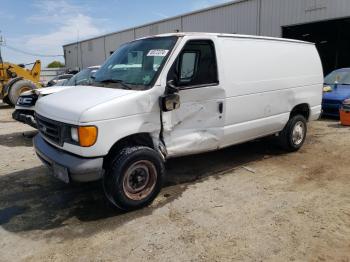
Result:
{"points": [[74, 134], [85, 136], [346, 101]]}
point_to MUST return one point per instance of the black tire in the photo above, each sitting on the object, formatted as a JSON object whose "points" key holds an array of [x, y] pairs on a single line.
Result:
{"points": [[134, 166], [19, 87], [291, 139], [7, 101]]}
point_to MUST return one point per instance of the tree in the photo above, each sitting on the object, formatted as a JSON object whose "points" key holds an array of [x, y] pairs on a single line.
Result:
{"points": [[55, 64]]}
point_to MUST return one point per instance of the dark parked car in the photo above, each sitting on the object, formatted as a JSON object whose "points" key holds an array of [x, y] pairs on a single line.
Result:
{"points": [[336, 90], [59, 79], [84, 77]]}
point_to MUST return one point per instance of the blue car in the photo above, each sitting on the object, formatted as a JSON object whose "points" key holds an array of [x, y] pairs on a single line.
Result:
{"points": [[336, 90]]}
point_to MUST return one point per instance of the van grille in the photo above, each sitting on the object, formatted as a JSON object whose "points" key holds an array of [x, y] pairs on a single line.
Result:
{"points": [[50, 129]]}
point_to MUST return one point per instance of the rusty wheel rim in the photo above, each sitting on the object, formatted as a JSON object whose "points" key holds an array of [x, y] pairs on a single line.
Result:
{"points": [[139, 180]]}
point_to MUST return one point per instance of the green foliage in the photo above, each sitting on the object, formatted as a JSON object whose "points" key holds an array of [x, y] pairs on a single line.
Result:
{"points": [[55, 64]]}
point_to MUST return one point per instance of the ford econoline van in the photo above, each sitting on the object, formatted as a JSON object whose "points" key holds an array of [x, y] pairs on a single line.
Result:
{"points": [[172, 95]]}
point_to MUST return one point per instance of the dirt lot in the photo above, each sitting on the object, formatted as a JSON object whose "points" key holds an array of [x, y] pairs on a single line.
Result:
{"points": [[250, 202]]}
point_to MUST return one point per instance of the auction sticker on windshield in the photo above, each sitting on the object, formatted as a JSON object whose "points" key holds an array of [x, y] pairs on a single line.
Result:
{"points": [[157, 52]]}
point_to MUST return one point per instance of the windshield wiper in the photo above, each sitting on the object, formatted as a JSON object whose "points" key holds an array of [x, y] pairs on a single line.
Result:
{"points": [[118, 81]]}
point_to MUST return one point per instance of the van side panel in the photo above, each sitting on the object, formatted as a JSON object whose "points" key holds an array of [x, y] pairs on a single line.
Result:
{"points": [[264, 81]]}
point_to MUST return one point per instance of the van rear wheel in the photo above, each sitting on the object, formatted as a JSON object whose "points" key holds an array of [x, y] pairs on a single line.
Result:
{"points": [[293, 135], [134, 178]]}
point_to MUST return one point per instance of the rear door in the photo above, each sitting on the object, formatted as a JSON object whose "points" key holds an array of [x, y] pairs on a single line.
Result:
{"points": [[196, 126]]}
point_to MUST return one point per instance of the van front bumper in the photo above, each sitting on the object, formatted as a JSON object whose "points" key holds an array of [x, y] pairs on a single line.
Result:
{"points": [[65, 166], [25, 116]]}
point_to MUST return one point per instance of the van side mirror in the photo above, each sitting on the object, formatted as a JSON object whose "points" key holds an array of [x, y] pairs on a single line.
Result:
{"points": [[171, 88], [169, 102]]}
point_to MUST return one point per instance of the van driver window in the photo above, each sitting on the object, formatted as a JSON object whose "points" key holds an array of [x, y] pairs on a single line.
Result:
{"points": [[188, 66], [196, 65]]}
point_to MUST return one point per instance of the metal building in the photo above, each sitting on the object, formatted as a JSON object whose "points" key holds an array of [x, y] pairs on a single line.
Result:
{"points": [[325, 22]]}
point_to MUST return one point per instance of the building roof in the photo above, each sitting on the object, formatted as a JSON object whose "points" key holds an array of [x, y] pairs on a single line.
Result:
{"points": [[162, 20]]}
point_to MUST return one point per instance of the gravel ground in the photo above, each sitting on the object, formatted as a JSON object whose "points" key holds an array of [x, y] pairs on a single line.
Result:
{"points": [[250, 202]]}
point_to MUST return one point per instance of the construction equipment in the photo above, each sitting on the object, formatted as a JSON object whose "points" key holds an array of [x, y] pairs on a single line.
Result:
{"points": [[16, 79]]}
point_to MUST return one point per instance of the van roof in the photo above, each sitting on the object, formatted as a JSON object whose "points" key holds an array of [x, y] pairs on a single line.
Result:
{"points": [[201, 34]]}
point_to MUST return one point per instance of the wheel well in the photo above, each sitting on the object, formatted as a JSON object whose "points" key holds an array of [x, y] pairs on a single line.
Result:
{"points": [[302, 109], [140, 139]]}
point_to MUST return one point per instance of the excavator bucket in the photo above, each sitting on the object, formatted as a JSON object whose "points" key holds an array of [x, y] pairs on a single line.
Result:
{"points": [[36, 70]]}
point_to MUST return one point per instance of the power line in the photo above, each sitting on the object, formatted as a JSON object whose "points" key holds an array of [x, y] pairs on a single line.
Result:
{"points": [[29, 53]]}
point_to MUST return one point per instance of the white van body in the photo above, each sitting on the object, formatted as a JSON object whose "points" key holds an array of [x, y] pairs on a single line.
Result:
{"points": [[261, 80]]}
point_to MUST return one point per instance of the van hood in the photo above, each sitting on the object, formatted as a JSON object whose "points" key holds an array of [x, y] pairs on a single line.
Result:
{"points": [[50, 90], [46, 90], [69, 105]]}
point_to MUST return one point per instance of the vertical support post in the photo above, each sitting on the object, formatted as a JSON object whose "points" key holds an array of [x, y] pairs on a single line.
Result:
{"points": [[181, 24], [258, 18]]}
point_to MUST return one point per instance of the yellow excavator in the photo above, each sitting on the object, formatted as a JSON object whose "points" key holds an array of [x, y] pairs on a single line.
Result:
{"points": [[16, 79]]}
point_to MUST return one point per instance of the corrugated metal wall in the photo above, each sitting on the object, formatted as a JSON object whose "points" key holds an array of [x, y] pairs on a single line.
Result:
{"points": [[70, 55], [158, 28], [112, 42], [261, 17], [93, 52], [237, 18], [278, 13]]}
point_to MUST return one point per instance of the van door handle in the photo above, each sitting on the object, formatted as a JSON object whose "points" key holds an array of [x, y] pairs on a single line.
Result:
{"points": [[221, 107]]}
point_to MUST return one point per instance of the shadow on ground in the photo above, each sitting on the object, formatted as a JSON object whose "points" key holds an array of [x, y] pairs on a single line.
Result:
{"points": [[33, 200], [338, 125], [18, 139], [335, 122], [4, 106]]}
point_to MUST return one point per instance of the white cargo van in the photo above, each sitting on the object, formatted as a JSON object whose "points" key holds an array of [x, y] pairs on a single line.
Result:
{"points": [[172, 95]]}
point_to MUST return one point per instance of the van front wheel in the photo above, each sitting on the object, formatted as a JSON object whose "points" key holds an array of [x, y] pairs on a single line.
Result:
{"points": [[135, 178], [292, 137]]}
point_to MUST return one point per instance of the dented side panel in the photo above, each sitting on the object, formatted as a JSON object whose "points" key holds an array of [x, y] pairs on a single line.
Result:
{"points": [[197, 126]]}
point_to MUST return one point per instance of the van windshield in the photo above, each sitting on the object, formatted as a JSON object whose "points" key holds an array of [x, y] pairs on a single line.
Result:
{"points": [[135, 65]]}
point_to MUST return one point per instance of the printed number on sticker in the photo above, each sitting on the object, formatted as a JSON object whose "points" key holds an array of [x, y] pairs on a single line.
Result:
{"points": [[157, 52]]}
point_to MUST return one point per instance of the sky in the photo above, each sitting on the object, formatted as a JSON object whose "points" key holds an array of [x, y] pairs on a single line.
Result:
{"points": [[41, 27]]}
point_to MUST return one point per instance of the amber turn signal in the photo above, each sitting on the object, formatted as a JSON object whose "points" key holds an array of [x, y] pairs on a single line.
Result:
{"points": [[87, 135]]}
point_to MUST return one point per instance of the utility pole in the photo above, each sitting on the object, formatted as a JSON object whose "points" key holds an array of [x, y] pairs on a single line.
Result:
{"points": [[1, 43], [2, 74]]}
